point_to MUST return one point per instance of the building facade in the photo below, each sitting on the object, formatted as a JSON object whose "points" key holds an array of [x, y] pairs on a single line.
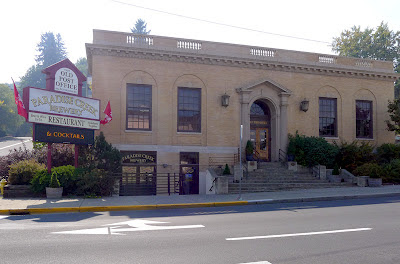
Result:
{"points": [[169, 99]]}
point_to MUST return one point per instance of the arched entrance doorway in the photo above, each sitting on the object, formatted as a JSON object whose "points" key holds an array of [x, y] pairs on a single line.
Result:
{"points": [[260, 129]]}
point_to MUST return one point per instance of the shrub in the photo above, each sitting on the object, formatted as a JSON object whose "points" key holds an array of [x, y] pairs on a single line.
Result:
{"points": [[54, 183], [23, 171], [94, 183], [226, 171], [310, 151], [392, 171], [66, 176], [388, 152], [61, 154], [353, 155], [335, 170], [40, 181], [102, 155], [372, 170], [14, 156], [249, 147]]}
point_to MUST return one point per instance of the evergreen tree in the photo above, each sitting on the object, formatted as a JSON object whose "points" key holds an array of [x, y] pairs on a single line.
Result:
{"points": [[140, 27], [51, 50]]}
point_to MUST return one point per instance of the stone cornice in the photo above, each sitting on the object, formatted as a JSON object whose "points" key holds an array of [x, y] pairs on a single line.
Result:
{"points": [[221, 60]]}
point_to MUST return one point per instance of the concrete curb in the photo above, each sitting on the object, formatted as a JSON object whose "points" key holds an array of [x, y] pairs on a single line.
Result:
{"points": [[81, 209]]}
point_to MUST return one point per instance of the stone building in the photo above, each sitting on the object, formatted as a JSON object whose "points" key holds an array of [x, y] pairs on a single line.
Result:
{"points": [[167, 99]]}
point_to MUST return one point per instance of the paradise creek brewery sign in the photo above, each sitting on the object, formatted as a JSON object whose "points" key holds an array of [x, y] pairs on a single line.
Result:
{"points": [[60, 114]]}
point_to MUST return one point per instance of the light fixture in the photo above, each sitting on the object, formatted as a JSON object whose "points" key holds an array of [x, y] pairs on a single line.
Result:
{"points": [[225, 100], [165, 165], [304, 105]]}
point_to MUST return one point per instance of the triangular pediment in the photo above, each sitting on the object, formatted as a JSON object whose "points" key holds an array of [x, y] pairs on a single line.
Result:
{"points": [[250, 87]]}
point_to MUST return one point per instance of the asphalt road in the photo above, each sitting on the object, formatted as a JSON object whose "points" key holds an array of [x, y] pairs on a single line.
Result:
{"points": [[349, 231], [9, 143]]}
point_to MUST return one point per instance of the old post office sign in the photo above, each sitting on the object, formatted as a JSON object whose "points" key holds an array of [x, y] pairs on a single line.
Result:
{"points": [[59, 134], [66, 81]]}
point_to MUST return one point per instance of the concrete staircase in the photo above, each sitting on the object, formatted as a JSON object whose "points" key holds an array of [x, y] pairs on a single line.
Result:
{"points": [[273, 176]]}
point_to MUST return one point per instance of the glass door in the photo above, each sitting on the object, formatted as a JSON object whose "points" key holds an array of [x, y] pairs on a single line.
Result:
{"points": [[262, 146], [189, 173]]}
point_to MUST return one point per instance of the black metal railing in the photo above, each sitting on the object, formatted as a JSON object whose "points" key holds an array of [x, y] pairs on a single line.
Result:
{"points": [[316, 171], [135, 184], [282, 156]]}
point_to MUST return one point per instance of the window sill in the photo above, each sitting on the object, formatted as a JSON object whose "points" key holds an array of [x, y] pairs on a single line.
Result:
{"points": [[139, 131], [367, 139], [188, 133], [332, 138]]}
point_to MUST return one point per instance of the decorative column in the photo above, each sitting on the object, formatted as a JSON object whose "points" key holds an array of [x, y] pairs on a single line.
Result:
{"points": [[245, 114], [284, 120]]}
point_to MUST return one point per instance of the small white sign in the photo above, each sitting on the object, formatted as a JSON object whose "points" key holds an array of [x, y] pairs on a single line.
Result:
{"points": [[66, 81], [63, 121]]}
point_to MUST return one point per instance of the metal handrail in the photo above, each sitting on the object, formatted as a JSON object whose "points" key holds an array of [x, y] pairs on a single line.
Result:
{"points": [[282, 156], [212, 184]]}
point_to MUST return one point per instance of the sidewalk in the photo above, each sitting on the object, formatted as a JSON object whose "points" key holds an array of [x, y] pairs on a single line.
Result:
{"points": [[40, 205]]}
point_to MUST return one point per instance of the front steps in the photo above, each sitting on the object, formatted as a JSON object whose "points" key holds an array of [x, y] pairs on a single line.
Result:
{"points": [[272, 176]]}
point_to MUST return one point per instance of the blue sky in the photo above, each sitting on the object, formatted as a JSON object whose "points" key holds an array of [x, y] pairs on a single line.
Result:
{"points": [[23, 21]]}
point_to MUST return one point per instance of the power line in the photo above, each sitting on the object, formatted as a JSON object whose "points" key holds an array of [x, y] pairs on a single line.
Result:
{"points": [[221, 24]]}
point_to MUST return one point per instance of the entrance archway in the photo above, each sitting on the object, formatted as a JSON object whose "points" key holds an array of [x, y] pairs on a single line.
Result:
{"points": [[260, 129]]}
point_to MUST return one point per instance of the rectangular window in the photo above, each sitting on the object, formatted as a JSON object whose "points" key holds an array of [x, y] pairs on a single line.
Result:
{"points": [[364, 119], [189, 109], [327, 117], [138, 107]]}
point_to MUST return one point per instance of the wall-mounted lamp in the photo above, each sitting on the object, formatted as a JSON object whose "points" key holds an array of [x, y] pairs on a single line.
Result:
{"points": [[165, 165], [225, 100], [304, 105]]}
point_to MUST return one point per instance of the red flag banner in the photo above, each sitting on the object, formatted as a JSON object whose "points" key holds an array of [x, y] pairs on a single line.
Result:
{"points": [[108, 115], [19, 103]]}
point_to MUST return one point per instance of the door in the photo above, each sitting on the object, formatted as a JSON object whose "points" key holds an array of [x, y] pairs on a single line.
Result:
{"points": [[189, 173], [262, 143]]}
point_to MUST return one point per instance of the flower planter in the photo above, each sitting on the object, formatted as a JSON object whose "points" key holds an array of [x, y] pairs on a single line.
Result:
{"points": [[375, 182], [54, 193], [335, 178], [362, 181]]}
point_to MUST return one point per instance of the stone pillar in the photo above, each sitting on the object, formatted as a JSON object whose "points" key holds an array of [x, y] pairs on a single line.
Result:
{"points": [[245, 121], [283, 120]]}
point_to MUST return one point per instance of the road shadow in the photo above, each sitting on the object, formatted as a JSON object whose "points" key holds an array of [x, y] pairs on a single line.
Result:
{"points": [[56, 217], [293, 207]]}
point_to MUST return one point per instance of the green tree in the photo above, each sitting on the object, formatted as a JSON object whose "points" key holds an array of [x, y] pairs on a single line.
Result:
{"points": [[10, 121], [140, 27], [394, 113], [82, 65], [379, 44], [102, 155], [51, 50]]}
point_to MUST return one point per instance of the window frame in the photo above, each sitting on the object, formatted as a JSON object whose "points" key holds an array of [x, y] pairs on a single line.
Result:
{"points": [[330, 99], [371, 120], [179, 103], [131, 87]]}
